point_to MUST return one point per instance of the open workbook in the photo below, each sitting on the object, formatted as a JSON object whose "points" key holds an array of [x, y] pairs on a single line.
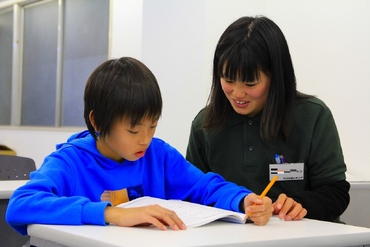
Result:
{"points": [[192, 214]]}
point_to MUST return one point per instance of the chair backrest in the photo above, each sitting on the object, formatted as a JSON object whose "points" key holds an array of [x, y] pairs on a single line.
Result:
{"points": [[16, 167]]}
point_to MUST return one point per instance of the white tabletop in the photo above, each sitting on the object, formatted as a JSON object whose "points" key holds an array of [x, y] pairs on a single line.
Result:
{"points": [[7, 187], [276, 233]]}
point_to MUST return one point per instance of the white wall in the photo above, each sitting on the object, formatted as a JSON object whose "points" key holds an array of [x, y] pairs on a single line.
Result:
{"points": [[329, 42], [35, 143]]}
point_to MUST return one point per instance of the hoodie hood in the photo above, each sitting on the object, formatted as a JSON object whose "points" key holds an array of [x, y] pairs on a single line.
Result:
{"points": [[85, 143], [82, 140]]}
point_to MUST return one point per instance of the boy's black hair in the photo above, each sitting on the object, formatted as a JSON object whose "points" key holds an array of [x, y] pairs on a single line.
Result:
{"points": [[119, 89]]}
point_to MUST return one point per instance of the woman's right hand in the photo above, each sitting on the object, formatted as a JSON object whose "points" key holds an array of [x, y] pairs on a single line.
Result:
{"points": [[288, 209], [148, 215]]}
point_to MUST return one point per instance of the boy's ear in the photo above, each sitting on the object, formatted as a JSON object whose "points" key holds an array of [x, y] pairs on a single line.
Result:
{"points": [[92, 120]]}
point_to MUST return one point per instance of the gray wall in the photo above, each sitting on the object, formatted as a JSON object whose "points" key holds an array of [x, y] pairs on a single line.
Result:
{"points": [[357, 212]]}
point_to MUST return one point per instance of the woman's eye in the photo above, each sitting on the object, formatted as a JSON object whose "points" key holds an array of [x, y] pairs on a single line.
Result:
{"points": [[250, 84], [228, 81]]}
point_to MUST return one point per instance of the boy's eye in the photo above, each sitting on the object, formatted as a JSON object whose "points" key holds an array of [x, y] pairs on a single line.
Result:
{"points": [[133, 132], [153, 126]]}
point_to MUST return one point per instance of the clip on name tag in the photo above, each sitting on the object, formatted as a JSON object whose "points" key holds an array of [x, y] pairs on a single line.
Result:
{"points": [[286, 171]]}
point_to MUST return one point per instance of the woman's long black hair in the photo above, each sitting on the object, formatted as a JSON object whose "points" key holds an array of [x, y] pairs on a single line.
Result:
{"points": [[250, 45]]}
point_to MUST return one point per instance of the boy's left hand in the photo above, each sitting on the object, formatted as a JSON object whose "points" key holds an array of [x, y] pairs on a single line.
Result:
{"points": [[258, 209]]}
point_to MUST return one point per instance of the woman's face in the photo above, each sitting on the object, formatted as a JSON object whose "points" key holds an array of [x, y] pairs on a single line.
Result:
{"points": [[247, 98]]}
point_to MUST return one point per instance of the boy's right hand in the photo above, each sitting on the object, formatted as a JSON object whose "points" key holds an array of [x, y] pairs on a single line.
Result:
{"points": [[148, 215], [258, 209]]}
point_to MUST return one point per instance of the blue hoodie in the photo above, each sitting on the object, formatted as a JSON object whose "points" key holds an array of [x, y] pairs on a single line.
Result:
{"points": [[66, 189]]}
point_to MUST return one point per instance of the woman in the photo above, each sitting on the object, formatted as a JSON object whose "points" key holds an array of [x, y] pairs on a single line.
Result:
{"points": [[256, 118]]}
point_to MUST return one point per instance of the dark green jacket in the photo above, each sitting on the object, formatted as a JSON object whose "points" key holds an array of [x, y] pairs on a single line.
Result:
{"points": [[239, 154]]}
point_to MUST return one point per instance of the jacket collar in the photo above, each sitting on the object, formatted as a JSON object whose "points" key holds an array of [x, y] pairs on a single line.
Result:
{"points": [[236, 118]]}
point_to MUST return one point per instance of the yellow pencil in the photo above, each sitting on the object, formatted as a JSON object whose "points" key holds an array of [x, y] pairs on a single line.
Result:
{"points": [[268, 187]]}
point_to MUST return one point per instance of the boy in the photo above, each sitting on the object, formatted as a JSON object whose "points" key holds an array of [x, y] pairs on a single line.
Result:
{"points": [[119, 154]]}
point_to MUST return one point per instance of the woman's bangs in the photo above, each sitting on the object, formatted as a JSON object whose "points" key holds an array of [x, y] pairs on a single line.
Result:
{"points": [[239, 67]]}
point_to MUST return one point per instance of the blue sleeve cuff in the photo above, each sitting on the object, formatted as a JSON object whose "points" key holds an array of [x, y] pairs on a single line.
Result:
{"points": [[93, 213], [238, 200]]}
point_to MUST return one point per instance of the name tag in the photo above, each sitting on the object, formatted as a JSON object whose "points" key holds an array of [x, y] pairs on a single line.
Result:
{"points": [[287, 171]]}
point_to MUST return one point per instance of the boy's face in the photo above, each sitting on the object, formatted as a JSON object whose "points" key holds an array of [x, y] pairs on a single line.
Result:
{"points": [[126, 142]]}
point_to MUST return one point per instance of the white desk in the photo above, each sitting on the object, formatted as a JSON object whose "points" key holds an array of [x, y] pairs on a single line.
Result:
{"points": [[275, 233], [7, 187]]}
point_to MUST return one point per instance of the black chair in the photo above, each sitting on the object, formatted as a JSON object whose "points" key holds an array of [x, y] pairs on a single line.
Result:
{"points": [[16, 167], [13, 168]]}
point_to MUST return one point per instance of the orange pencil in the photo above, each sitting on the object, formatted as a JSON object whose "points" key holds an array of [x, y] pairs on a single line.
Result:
{"points": [[268, 187]]}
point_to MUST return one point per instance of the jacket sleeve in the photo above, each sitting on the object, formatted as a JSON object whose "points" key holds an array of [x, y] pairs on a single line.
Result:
{"points": [[328, 196], [326, 202]]}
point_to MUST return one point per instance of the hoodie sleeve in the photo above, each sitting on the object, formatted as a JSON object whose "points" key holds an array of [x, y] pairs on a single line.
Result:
{"points": [[48, 199], [187, 182]]}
